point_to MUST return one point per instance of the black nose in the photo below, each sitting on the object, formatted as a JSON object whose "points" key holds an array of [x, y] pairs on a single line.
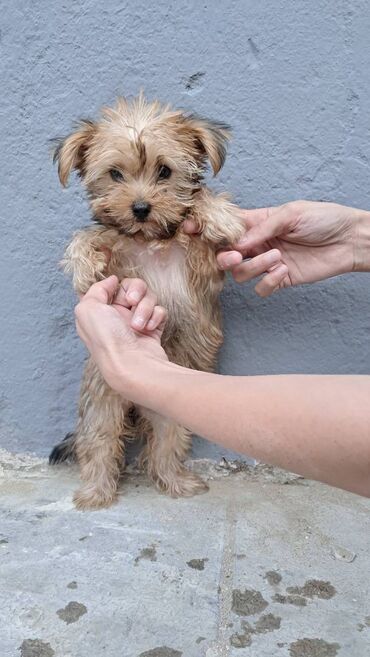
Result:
{"points": [[141, 210]]}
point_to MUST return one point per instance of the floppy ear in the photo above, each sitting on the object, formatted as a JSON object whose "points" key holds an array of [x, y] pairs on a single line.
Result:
{"points": [[70, 152], [211, 138]]}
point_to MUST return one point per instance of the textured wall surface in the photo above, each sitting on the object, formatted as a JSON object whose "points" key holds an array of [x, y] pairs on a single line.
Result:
{"points": [[292, 78]]}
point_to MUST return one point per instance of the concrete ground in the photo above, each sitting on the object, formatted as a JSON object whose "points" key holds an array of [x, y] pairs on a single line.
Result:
{"points": [[265, 564]]}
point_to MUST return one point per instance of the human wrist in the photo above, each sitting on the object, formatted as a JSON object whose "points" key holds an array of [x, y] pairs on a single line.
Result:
{"points": [[141, 377], [361, 254]]}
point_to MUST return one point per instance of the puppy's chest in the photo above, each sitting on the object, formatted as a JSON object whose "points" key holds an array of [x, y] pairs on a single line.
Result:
{"points": [[163, 269]]}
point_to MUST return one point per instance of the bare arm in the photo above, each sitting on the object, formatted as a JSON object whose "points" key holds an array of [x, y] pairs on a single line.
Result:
{"points": [[316, 426]]}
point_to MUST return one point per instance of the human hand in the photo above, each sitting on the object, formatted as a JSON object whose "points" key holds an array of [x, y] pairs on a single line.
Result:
{"points": [[299, 242], [119, 323]]}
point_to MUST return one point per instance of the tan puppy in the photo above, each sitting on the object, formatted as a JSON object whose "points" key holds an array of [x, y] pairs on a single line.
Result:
{"points": [[142, 164]]}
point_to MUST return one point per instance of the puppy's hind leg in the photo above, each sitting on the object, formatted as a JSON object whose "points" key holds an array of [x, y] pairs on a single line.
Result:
{"points": [[99, 442], [163, 456]]}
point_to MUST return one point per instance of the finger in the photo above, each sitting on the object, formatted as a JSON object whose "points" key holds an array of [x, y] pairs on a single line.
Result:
{"points": [[103, 291], [143, 312], [158, 319], [130, 292], [253, 217], [249, 269], [272, 281], [275, 224], [190, 227], [228, 259]]}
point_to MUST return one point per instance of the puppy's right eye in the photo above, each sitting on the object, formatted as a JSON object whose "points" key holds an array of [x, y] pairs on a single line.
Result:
{"points": [[164, 172], [116, 175]]}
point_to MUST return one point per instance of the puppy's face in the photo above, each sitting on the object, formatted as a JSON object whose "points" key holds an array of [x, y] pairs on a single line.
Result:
{"points": [[141, 163]]}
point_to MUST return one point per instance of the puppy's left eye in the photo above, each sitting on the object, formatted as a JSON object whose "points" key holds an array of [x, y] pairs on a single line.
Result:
{"points": [[164, 172], [116, 175]]}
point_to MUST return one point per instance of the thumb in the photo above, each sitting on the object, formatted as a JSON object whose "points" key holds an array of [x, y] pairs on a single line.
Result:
{"points": [[277, 223], [103, 291], [190, 227]]}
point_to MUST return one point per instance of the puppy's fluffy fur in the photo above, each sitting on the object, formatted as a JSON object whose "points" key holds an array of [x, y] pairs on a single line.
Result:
{"points": [[147, 154]]}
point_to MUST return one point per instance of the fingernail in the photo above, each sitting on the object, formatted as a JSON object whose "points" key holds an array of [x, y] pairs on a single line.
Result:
{"points": [[150, 325], [230, 260], [138, 322], [134, 295]]}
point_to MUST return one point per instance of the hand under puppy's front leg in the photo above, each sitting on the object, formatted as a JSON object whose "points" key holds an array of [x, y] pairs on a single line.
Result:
{"points": [[218, 220], [86, 256]]}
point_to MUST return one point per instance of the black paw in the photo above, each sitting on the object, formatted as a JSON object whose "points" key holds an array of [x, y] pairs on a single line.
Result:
{"points": [[64, 451]]}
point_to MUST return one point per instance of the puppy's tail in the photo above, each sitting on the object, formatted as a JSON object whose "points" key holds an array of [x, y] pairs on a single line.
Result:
{"points": [[64, 451]]}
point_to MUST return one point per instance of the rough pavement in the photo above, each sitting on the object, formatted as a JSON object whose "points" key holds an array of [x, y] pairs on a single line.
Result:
{"points": [[264, 564]]}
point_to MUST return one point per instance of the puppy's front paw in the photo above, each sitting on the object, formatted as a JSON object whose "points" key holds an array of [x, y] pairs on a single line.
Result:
{"points": [[90, 497], [87, 256], [181, 484]]}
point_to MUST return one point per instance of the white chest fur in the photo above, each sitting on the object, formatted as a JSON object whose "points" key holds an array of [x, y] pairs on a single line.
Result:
{"points": [[163, 267]]}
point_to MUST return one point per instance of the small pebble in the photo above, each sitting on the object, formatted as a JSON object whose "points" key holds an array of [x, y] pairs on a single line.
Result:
{"points": [[342, 554]]}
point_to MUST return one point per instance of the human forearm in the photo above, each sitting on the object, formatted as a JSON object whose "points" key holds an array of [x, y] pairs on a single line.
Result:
{"points": [[362, 244], [317, 426]]}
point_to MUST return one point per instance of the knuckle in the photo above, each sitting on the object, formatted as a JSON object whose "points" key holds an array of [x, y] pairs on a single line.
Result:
{"points": [[162, 311], [262, 291], [77, 311], [296, 207], [256, 265], [150, 299], [146, 307], [253, 267], [270, 283], [276, 278], [278, 272], [125, 285], [239, 275], [283, 269]]}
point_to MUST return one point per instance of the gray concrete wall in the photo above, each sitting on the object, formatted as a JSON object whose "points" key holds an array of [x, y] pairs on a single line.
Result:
{"points": [[293, 80]]}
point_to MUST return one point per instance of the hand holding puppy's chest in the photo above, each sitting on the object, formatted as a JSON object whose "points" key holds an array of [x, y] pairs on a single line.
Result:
{"points": [[162, 267]]}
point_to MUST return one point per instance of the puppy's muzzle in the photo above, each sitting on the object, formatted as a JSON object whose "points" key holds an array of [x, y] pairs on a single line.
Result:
{"points": [[141, 210]]}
